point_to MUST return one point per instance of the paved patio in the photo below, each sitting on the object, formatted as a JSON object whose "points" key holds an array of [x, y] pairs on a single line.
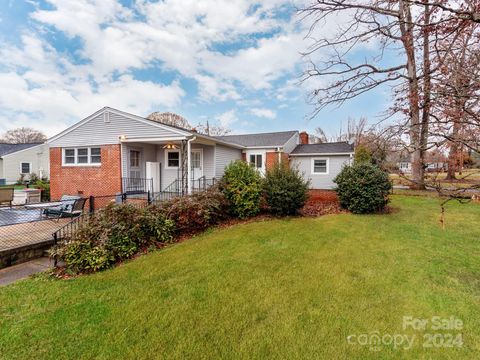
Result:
{"points": [[20, 227]]}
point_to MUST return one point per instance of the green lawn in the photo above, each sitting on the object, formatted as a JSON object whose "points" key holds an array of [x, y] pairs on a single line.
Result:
{"points": [[292, 288]]}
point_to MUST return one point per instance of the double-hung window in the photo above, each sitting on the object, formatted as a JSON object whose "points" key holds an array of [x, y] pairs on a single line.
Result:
{"points": [[256, 160], [172, 159], [319, 166], [25, 168], [84, 156]]}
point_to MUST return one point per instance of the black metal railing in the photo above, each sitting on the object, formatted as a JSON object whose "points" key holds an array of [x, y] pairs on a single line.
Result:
{"points": [[202, 184], [136, 185]]}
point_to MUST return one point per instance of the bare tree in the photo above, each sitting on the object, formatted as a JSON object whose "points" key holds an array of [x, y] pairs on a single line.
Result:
{"points": [[23, 135], [391, 25], [212, 130], [169, 118]]}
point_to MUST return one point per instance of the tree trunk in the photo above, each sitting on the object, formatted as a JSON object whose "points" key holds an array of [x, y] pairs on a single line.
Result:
{"points": [[406, 28]]}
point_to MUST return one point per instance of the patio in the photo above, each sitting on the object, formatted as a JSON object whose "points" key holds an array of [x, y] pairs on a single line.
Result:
{"points": [[20, 227]]}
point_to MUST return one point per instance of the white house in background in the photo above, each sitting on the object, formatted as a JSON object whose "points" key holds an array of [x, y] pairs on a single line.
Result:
{"points": [[23, 159], [112, 151]]}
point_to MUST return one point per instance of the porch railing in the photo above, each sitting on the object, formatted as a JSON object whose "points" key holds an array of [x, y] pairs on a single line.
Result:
{"points": [[202, 184], [136, 185]]}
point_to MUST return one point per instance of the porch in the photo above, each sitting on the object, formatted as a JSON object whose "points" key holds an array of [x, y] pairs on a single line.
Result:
{"points": [[166, 167]]}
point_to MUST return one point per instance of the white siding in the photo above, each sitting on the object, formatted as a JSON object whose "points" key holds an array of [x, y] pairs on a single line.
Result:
{"points": [[208, 159], [99, 132], [37, 156], [223, 156], [320, 181], [291, 143], [1, 169]]}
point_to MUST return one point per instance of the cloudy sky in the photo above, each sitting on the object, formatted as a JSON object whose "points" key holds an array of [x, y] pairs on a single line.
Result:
{"points": [[233, 62]]}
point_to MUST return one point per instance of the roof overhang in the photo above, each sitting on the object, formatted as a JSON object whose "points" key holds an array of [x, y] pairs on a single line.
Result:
{"points": [[122, 113]]}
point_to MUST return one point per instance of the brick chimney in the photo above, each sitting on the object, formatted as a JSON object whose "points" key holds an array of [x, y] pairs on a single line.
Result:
{"points": [[303, 138]]}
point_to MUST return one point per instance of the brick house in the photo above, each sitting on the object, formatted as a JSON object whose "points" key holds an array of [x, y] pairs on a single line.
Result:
{"points": [[112, 151]]}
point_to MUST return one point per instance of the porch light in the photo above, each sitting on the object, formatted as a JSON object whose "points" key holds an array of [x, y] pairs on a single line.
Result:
{"points": [[123, 137], [170, 146]]}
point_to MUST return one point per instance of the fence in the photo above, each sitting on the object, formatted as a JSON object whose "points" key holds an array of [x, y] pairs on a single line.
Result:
{"points": [[23, 226]]}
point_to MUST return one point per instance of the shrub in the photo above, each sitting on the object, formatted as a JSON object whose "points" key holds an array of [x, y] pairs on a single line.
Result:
{"points": [[363, 188], [242, 186], [196, 212], [114, 234], [362, 155], [285, 190]]}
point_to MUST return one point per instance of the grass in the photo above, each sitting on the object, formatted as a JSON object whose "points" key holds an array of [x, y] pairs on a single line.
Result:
{"points": [[469, 178], [289, 288]]}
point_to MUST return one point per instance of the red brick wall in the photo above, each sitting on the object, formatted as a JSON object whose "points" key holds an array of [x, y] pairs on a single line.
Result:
{"points": [[86, 180], [272, 159]]}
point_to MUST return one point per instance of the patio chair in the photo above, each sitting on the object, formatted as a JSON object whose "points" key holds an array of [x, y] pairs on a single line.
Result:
{"points": [[6, 196], [72, 206]]}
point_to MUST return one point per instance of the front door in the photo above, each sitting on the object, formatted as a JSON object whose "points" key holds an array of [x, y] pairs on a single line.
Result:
{"points": [[134, 180], [196, 160], [135, 168]]}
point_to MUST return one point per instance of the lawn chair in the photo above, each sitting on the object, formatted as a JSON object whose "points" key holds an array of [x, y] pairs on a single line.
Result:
{"points": [[72, 206], [6, 196]]}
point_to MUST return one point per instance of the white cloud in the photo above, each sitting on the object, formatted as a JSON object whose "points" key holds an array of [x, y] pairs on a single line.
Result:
{"points": [[227, 118], [228, 47], [263, 112]]}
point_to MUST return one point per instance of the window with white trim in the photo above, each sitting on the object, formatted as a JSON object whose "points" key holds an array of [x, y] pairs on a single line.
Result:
{"points": [[319, 166], [83, 156], [256, 160], [25, 168], [172, 158]]}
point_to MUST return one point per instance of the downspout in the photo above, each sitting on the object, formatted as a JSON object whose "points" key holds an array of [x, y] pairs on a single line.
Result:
{"points": [[189, 156]]}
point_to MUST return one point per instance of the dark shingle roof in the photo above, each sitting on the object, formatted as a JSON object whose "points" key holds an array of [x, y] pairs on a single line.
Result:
{"points": [[325, 148], [6, 149], [263, 139]]}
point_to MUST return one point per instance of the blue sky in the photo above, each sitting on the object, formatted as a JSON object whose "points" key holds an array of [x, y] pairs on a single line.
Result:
{"points": [[234, 63]]}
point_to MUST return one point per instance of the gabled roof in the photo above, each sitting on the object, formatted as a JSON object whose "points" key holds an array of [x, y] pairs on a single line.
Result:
{"points": [[177, 129], [272, 139], [323, 149], [6, 149]]}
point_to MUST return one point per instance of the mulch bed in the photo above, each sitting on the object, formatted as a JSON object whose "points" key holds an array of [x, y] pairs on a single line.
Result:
{"points": [[322, 202]]}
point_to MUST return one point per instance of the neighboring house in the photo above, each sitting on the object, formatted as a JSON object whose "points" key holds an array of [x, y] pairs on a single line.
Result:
{"points": [[112, 151], [23, 159]]}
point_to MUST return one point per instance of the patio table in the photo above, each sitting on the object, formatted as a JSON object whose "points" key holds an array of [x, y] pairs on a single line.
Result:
{"points": [[43, 206]]}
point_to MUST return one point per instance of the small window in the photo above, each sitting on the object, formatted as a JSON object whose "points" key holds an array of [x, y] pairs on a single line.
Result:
{"points": [[134, 158], [82, 156], [173, 159], [25, 168], [95, 156], [69, 156], [319, 166], [256, 160]]}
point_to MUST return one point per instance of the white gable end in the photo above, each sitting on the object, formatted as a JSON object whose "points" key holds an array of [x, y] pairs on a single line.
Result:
{"points": [[105, 128]]}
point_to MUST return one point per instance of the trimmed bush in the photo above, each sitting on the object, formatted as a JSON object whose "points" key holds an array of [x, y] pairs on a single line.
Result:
{"points": [[197, 212], [285, 190], [363, 188], [242, 186], [114, 234]]}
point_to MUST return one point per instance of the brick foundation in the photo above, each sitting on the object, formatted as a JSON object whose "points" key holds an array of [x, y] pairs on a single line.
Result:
{"points": [[105, 179]]}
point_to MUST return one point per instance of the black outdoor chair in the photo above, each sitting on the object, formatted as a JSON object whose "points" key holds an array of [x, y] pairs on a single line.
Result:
{"points": [[70, 209]]}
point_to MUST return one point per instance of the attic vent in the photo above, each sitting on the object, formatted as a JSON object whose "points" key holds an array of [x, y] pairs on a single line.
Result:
{"points": [[106, 117]]}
